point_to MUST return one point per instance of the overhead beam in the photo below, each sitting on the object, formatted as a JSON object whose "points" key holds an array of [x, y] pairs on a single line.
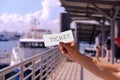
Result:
{"points": [[106, 2], [116, 12], [76, 15], [84, 8], [97, 20], [100, 11]]}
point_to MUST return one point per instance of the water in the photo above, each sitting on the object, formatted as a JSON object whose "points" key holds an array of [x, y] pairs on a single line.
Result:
{"points": [[8, 45]]}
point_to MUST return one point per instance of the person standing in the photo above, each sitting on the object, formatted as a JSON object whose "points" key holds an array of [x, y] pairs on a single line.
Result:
{"points": [[98, 44], [108, 48]]}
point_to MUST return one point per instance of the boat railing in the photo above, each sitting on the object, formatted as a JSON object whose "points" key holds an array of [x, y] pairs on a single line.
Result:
{"points": [[39, 67]]}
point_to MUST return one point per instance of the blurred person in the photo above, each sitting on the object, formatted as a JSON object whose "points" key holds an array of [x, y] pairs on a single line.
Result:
{"points": [[98, 44], [108, 48], [117, 41]]}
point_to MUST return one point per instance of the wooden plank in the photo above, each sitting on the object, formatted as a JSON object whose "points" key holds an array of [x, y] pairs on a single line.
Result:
{"points": [[62, 73], [68, 75], [73, 75], [66, 71], [77, 72], [70, 71]]}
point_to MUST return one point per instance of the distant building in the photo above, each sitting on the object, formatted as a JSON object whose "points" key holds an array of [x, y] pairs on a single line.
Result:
{"points": [[65, 21], [6, 36]]}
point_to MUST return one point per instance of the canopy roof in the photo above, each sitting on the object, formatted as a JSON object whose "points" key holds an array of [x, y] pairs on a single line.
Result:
{"points": [[98, 10], [92, 9]]}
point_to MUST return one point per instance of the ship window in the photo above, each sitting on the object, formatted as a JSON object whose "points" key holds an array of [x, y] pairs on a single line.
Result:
{"points": [[36, 44], [22, 44], [40, 44], [25, 45], [32, 45]]}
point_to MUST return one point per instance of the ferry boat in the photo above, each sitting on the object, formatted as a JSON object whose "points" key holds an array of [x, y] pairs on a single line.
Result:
{"points": [[29, 45]]}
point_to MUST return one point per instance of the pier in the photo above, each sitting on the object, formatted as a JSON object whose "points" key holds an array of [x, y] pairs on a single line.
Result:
{"points": [[51, 64]]}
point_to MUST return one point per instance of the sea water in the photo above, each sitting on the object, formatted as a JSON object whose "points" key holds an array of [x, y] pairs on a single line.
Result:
{"points": [[8, 45]]}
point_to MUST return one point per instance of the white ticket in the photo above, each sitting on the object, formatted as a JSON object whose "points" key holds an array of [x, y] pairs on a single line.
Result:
{"points": [[54, 39]]}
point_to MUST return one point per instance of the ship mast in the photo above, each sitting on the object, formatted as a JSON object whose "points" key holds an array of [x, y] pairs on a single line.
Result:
{"points": [[35, 22]]}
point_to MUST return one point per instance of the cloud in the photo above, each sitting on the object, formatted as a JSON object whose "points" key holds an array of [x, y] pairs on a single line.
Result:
{"points": [[48, 18], [49, 6], [50, 14]]}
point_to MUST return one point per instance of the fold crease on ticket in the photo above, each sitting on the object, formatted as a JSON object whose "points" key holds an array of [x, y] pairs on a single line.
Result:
{"points": [[54, 39]]}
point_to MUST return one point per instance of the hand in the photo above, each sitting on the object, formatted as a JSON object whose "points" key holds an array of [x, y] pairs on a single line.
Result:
{"points": [[70, 50]]}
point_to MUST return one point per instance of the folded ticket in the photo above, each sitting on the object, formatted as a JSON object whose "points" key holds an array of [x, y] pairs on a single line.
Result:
{"points": [[54, 39]]}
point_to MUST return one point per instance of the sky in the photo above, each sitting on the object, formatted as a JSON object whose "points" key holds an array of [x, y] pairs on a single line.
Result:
{"points": [[18, 15]]}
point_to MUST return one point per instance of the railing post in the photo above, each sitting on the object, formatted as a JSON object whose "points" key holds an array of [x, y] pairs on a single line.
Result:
{"points": [[21, 73], [112, 41], [33, 70], [47, 67], [53, 66], [41, 64]]}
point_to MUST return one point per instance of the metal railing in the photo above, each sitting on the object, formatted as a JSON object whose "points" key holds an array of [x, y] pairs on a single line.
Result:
{"points": [[39, 67]]}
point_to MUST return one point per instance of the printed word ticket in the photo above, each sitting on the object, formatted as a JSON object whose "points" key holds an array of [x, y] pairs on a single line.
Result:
{"points": [[54, 39]]}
